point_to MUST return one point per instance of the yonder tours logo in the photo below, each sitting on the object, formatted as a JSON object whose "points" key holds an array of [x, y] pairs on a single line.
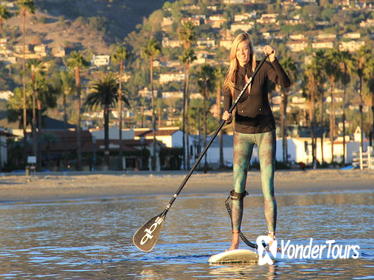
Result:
{"points": [[329, 249]]}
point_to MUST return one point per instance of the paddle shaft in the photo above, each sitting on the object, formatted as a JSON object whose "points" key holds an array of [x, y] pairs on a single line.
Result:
{"points": [[212, 139]]}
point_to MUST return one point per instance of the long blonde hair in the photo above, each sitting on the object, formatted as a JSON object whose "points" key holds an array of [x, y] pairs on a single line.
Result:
{"points": [[230, 79]]}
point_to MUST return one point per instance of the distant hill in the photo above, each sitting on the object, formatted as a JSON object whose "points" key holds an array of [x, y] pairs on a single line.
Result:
{"points": [[87, 24], [119, 16]]}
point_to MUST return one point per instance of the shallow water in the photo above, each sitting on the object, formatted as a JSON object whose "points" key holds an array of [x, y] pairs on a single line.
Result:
{"points": [[91, 239]]}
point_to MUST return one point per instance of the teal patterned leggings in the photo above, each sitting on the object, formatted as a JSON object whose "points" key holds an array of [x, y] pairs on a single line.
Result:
{"points": [[243, 147]]}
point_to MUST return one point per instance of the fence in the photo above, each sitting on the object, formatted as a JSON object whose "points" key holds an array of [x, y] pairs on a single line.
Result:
{"points": [[363, 159]]}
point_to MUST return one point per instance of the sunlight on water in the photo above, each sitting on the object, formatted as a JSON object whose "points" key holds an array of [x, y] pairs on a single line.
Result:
{"points": [[91, 239]]}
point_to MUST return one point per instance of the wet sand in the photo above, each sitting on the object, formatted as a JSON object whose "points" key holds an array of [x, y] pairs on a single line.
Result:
{"points": [[71, 185]]}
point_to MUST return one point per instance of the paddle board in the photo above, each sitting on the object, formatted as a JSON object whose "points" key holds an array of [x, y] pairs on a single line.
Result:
{"points": [[235, 256]]}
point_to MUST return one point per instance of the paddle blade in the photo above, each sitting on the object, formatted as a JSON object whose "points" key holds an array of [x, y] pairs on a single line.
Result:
{"points": [[145, 238]]}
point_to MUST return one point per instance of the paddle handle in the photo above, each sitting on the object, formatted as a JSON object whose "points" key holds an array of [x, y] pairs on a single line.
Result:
{"points": [[213, 137]]}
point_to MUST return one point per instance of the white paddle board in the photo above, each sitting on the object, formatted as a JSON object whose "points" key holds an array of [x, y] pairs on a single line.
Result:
{"points": [[235, 256]]}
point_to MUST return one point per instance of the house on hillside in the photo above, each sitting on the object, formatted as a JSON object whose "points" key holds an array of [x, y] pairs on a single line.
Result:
{"points": [[326, 44], [225, 44], [168, 43], [242, 26], [100, 60], [171, 77], [216, 21], [351, 46], [297, 46], [268, 19]]}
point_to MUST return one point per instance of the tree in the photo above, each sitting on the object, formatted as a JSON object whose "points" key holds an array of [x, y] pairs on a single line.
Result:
{"points": [[15, 107], [314, 79], [289, 67], [361, 62], [220, 76], [369, 77], [119, 56], [187, 35], [104, 94], [26, 7], [76, 62], [68, 87], [37, 68], [4, 15], [333, 73], [347, 68], [205, 80], [151, 50]]}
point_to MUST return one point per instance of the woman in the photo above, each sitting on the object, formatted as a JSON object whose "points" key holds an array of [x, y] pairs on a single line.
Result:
{"points": [[253, 124]]}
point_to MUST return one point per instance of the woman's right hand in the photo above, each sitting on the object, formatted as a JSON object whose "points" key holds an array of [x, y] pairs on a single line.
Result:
{"points": [[226, 116]]}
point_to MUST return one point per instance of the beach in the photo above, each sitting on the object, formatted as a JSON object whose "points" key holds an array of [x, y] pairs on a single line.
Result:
{"points": [[80, 225], [71, 185]]}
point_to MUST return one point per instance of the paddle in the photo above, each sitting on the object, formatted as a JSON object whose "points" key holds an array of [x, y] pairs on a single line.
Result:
{"points": [[145, 238]]}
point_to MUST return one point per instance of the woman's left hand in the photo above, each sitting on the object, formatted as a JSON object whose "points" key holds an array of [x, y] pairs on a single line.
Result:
{"points": [[268, 50]]}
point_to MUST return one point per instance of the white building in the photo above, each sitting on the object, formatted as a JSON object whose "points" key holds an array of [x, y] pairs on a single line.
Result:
{"points": [[225, 44], [323, 45], [245, 26], [168, 43], [297, 46], [171, 77], [244, 16], [6, 94], [206, 43], [268, 19], [352, 35], [172, 137], [172, 94], [326, 36], [145, 92], [351, 46], [100, 60]]}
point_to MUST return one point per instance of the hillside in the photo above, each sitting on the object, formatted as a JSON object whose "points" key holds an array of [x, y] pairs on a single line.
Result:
{"points": [[118, 17], [89, 24]]}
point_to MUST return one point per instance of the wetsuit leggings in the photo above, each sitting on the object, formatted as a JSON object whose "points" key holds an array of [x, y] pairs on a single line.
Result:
{"points": [[243, 147]]}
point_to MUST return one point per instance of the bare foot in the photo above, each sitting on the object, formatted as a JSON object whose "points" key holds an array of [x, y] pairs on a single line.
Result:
{"points": [[272, 238], [234, 241]]}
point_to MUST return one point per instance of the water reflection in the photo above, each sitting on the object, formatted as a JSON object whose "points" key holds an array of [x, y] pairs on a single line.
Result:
{"points": [[91, 239]]}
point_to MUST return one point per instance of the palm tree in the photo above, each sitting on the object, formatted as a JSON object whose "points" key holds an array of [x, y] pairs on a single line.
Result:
{"points": [[369, 77], [67, 83], [119, 56], [220, 76], [205, 80], [4, 15], [314, 79], [362, 58], [187, 57], [333, 75], [47, 92], [151, 51], [104, 94], [318, 63], [15, 106], [76, 62], [187, 35], [26, 7], [346, 66], [289, 67], [37, 68]]}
